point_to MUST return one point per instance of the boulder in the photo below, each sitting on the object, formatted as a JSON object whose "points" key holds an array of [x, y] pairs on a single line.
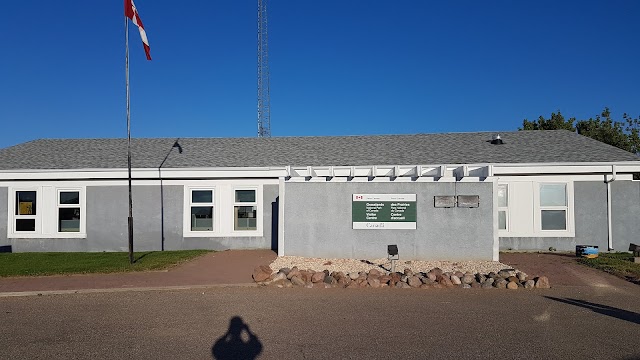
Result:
{"points": [[330, 280], [500, 283], [466, 286], [487, 285], [476, 285], [455, 280], [427, 281], [459, 274], [293, 272], [285, 270], [261, 273], [354, 275], [374, 282], [468, 279], [521, 276], [384, 279], [542, 282], [512, 285], [403, 285], [295, 280], [408, 272], [317, 277], [375, 272], [513, 278], [414, 281], [437, 271], [529, 284], [480, 278], [505, 273]]}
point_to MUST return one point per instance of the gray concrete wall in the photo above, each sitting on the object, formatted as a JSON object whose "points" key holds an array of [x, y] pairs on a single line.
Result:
{"points": [[5, 244], [318, 222], [625, 209], [590, 209], [158, 223], [269, 195]]}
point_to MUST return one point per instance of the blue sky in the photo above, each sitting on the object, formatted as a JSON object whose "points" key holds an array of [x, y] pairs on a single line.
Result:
{"points": [[337, 67]]}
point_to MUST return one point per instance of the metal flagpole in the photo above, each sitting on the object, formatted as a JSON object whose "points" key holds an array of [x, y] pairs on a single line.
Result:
{"points": [[130, 219]]}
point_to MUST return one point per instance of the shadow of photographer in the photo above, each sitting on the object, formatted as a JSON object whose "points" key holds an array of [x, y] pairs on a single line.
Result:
{"points": [[238, 343]]}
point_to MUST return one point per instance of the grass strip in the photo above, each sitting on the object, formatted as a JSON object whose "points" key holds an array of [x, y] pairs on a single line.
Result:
{"points": [[619, 264], [38, 264]]}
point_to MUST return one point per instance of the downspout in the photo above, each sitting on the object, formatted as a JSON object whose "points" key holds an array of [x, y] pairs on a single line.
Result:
{"points": [[609, 221]]}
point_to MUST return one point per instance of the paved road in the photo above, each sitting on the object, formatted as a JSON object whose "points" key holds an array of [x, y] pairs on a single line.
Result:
{"points": [[560, 323]]}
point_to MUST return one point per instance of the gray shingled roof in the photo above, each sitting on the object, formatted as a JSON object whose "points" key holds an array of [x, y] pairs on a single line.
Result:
{"points": [[422, 149]]}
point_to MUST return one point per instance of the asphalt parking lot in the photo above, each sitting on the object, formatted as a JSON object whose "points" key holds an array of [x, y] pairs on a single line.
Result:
{"points": [[229, 322]]}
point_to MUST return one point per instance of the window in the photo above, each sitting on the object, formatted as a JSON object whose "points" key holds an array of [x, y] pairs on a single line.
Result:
{"points": [[503, 206], [245, 210], [222, 208], [47, 211], [68, 211], [26, 211], [202, 210], [553, 206]]}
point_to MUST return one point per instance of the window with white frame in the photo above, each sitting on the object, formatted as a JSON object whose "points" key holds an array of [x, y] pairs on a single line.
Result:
{"points": [[69, 211], [553, 206], [503, 206], [47, 212], [245, 210], [202, 209], [26, 211]]}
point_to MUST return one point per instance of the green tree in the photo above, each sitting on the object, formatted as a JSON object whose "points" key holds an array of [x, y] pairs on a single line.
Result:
{"points": [[624, 134]]}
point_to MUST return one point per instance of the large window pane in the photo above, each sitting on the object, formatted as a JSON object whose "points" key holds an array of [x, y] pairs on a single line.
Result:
{"points": [[202, 218], [25, 203], [202, 196], [553, 195], [245, 218], [25, 224], [503, 196], [554, 220], [246, 196], [69, 220], [69, 197], [502, 220]]}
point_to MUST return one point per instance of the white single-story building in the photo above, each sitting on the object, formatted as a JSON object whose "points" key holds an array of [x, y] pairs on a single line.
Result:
{"points": [[458, 196]]}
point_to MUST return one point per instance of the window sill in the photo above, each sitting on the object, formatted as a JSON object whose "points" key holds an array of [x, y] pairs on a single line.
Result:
{"points": [[205, 234], [47, 236], [540, 234]]}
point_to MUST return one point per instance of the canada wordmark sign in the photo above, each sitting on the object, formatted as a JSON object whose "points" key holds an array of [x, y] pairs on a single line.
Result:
{"points": [[383, 211]]}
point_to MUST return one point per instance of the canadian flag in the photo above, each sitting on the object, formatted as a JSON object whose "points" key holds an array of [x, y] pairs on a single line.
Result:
{"points": [[131, 12]]}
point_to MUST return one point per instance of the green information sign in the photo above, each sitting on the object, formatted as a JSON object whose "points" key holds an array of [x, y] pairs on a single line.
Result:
{"points": [[383, 211]]}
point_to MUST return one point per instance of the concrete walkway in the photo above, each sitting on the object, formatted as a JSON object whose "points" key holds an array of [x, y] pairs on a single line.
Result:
{"points": [[218, 268]]}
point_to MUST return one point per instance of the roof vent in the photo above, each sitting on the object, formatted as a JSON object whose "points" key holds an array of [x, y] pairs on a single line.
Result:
{"points": [[497, 140]]}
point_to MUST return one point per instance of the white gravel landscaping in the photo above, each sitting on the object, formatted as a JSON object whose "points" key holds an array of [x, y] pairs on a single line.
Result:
{"points": [[352, 265]]}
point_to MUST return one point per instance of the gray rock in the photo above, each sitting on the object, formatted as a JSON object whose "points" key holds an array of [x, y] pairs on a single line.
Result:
{"points": [[505, 273], [455, 280], [489, 281], [330, 280], [437, 271], [521, 276], [487, 285], [542, 282], [408, 272], [285, 270], [480, 278], [354, 275], [466, 286], [404, 278], [468, 279], [529, 284], [459, 274], [500, 283]]}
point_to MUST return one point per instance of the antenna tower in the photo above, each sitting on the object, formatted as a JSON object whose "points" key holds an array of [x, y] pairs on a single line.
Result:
{"points": [[264, 100]]}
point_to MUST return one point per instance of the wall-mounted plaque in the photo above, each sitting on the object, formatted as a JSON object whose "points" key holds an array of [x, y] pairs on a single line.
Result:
{"points": [[444, 201], [383, 211], [468, 201]]}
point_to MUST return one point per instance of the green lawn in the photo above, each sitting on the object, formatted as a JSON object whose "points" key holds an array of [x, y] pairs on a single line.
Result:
{"points": [[619, 264], [35, 264]]}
